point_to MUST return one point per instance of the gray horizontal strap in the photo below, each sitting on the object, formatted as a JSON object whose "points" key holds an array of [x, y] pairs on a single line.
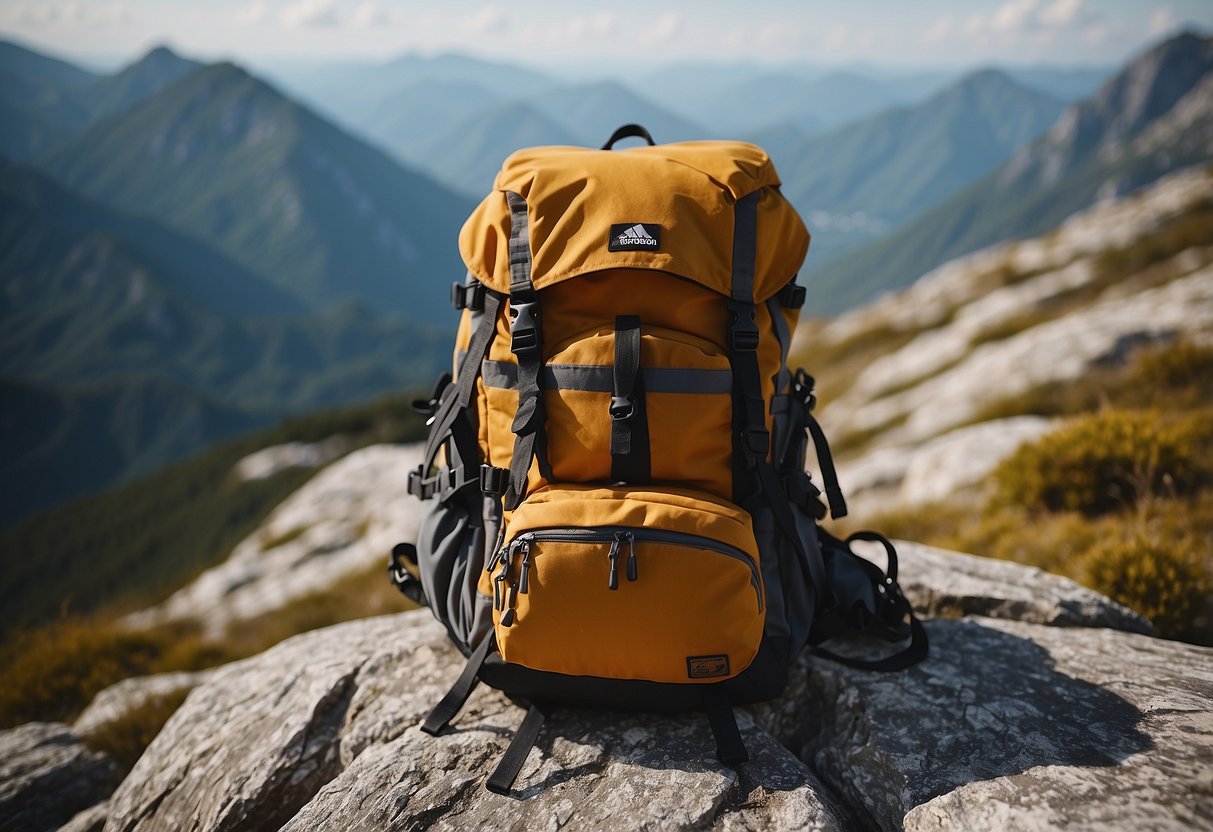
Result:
{"points": [[600, 378]]}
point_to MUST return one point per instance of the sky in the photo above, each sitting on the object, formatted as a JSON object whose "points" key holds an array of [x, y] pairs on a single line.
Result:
{"points": [[920, 34]]}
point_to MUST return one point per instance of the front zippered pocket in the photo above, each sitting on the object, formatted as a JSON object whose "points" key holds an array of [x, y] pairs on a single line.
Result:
{"points": [[662, 585], [618, 537]]}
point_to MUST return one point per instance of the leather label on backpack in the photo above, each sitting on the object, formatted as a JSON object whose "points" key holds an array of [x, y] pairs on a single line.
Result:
{"points": [[634, 236], [705, 667]]}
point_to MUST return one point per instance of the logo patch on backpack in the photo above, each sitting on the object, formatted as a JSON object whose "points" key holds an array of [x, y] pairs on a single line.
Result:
{"points": [[705, 667], [634, 236]]}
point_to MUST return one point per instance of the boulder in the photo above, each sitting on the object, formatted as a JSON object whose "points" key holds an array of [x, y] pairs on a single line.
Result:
{"points": [[1010, 725], [344, 520], [90, 820], [321, 732], [118, 701], [47, 775], [940, 583]]}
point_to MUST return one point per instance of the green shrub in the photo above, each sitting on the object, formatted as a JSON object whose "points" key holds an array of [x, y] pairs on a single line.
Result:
{"points": [[1100, 463], [51, 673], [1165, 582]]}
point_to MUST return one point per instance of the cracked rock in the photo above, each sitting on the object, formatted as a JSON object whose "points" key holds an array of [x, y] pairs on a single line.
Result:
{"points": [[320, 733], [47, 775], [951, 584], [1013, 725]]}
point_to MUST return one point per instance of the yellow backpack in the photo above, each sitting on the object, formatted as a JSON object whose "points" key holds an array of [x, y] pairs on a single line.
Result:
{"points": [[616, 506]]}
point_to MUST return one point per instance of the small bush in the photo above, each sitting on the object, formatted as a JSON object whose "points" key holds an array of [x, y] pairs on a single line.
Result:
{"points": [[1100, 463], [1166, 583], [53, 672]]}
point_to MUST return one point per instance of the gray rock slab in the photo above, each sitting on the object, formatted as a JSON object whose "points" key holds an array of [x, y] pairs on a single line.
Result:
{"points": [[320, 733], [1010, 725], [940, 583], [90, 820], [47, 775], [119, 700]]}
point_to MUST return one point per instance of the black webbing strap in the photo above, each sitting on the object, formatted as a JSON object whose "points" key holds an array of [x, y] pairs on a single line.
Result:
{"points": [[469, 370], [838, 505], [802, 393], [515, 755], [753, 475], [730, 749], [455, 698], [630, 461], [526, 342], [914, 652]]}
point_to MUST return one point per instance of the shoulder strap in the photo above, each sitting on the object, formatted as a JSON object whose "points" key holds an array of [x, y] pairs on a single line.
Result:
{"points": [[753, 477], [450, 418]]}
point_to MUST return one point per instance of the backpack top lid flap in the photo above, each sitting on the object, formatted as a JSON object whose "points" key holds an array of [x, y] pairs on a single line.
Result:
{"points": [[666, 207]]}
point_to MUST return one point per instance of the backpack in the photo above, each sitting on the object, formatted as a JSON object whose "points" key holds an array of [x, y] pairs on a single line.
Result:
{"points": [[616, 511]]}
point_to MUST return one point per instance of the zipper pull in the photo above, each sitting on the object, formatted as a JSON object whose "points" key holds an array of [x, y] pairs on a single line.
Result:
{"points": [[613, 556], [524, 582], [498, 595], [507, 617], [495, 559], [633, 568]]}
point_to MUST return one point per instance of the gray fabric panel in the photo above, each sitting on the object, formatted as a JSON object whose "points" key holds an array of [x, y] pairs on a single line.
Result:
{"points": [[520, 245], [745, 233], [783, 378], [599, 378]]}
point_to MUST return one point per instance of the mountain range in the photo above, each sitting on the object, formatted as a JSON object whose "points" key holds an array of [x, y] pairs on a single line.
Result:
{"points": [[1153, 117], [841, 179], [189, 234]]}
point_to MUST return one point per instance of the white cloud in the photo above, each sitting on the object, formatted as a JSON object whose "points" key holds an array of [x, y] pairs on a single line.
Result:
{"points": [[369, 15], [319, 14], [664, 28], [93, 15], [488, 20], [252, 14], [1162, 20], [1042, 21], [941, 29]]}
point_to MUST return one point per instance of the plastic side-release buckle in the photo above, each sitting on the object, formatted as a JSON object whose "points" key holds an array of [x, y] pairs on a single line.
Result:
{"points": [[743, 331], [524, 328]]}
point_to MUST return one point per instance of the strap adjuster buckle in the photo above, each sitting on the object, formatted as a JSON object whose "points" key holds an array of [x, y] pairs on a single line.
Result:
{"points": [[622, 409], [494, 481], [802, 387], [792, 296], [468, 296], [756, 440], [416, 483]]}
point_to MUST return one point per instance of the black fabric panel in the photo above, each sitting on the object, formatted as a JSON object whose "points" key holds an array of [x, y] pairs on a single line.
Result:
{"points": [[630, 461]]}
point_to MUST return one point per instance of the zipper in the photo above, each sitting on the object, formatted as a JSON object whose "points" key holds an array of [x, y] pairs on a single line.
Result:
{"points": [[618, 535]]}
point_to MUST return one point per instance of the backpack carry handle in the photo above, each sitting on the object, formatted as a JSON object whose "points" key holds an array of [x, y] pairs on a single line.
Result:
{"points": [[629, 131]]}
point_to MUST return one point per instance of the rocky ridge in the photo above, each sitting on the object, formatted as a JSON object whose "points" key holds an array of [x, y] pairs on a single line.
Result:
{"points": [[1042, 705], [987, 317]]}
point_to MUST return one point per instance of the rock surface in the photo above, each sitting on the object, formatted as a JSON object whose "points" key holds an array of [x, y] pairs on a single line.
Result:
{"points": [[1014, 726], [346, 519], [47, 776], [321, 733], [1009, 724], [920, 473], [119, 700], [940, 583]]}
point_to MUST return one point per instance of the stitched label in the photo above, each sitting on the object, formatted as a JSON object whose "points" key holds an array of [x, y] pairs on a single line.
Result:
{"points": [[705, 667], [634, 236]]}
